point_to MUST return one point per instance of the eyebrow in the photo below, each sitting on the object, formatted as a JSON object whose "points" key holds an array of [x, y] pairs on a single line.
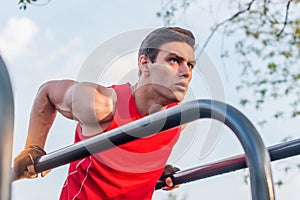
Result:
{"points": [[193, 62]]}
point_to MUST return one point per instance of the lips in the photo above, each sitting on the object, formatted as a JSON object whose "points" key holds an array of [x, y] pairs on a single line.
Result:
{"points": [[182, 85]]}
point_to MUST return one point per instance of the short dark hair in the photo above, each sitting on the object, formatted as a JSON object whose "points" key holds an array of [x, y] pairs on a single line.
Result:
{"points": [[154, 40]]}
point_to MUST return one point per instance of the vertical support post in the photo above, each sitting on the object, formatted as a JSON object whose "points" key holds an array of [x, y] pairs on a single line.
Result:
{"points": [[6, 131]]}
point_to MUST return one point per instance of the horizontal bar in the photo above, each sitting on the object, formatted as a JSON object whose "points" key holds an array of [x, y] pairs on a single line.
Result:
{"points": [[277, 152], [256, 153]]}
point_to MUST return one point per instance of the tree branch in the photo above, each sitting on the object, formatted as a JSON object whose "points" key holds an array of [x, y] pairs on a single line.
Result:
{"points": [[224, 22], [24, 3], [286, 17]]}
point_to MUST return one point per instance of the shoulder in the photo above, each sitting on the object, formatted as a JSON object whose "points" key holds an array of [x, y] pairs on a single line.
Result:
{"points": [[82, 88], [105, 96], [81, 93]]}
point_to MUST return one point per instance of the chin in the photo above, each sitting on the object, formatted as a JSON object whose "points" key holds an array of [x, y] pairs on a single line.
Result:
{"points": [[179, 96], [175, 97]]}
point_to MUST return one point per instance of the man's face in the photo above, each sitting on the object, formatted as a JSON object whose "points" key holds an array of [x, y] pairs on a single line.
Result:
{"points": [[171, 72]]}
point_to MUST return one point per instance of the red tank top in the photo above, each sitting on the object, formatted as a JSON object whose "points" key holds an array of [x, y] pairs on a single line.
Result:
{"points": [[126, 172]]}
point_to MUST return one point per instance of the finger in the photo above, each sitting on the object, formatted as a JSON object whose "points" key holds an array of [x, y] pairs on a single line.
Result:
{"points": [[44, 173], [31, 170], [166, 188], [26, 174], [176, 186], [169, 182], [34, 176], [170, 188]]}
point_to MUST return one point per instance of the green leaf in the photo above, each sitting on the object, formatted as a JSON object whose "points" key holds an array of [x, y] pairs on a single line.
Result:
{"points": [[272, 67], [243, 102], [297, 32], [266, 42], [263, 92], [287, 169], [296, 77], [274, 95], [278, 114], [239, 87], [279, 183], [260, 101], [246, 179], [287, 54], [285, 139], [224, 54], [262, 123], [295, 113], [250, 33], [261, 82], [239, 44]]}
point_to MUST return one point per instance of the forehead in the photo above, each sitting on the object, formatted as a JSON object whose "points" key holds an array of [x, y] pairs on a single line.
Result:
{"points": [[181, 49]]}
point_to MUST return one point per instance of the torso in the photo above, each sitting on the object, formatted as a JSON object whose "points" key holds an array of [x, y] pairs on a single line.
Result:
{"points": [[129, 171]]}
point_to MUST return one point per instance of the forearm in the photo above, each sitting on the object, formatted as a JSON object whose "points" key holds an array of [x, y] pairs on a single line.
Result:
{"points": [[41, 119], [51, 98]]}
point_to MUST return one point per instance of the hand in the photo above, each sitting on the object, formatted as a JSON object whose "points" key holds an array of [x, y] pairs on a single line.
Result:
{"points": [[169, 184], [167, 177], [24, 163]]}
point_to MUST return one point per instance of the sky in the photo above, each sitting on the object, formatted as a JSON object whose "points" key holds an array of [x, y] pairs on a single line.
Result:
{"points": [[57, 41]]}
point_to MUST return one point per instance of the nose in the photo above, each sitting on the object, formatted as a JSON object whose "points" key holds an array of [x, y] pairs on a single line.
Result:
{"points": [[184, 70]]}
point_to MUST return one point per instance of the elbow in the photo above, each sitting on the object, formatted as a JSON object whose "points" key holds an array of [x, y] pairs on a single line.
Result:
{"points": [[44, 92]]}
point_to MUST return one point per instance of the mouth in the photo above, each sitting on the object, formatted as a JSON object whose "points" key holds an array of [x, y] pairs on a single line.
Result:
{"points": [[182, 86]]}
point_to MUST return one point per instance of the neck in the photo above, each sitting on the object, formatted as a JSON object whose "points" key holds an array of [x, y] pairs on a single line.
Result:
{"points": [[146, 100]]}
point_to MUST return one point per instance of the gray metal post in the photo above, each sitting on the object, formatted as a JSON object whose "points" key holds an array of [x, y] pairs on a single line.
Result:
{"points": [[257, 157], [6, 131]]}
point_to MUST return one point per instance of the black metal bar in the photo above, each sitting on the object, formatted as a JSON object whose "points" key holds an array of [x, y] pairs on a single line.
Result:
{"points": [[6, 131], [277, 152], [258, 158]]}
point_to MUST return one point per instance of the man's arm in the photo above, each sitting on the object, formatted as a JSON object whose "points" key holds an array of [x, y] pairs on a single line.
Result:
{"points": [[44, 110], [86, 103]]}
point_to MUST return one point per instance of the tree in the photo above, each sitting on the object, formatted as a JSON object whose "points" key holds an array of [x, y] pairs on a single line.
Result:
{"points": [[266, 35], [24, 3], [268, 48]]}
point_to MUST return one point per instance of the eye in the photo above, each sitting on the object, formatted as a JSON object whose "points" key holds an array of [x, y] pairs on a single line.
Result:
{"points": [[174, 60], [190, 65]]}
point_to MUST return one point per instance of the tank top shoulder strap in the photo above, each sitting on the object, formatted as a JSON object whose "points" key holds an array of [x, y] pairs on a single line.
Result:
{"points": [[125, 108], [123, 93]]}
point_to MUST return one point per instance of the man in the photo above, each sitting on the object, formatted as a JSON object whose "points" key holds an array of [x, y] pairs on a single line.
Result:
{"points": [[130, 171]]}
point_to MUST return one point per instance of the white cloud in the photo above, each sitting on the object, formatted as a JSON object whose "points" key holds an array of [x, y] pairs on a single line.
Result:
{"points": [[75, 42], [49, 34], [63, 51], [64, 58], [16, 36]]}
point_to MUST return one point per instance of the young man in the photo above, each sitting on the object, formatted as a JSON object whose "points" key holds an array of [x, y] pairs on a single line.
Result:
{"points": [[130, 171]]}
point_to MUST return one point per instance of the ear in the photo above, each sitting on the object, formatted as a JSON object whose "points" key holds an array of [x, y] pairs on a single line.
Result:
{"points": [[144, 62]]}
